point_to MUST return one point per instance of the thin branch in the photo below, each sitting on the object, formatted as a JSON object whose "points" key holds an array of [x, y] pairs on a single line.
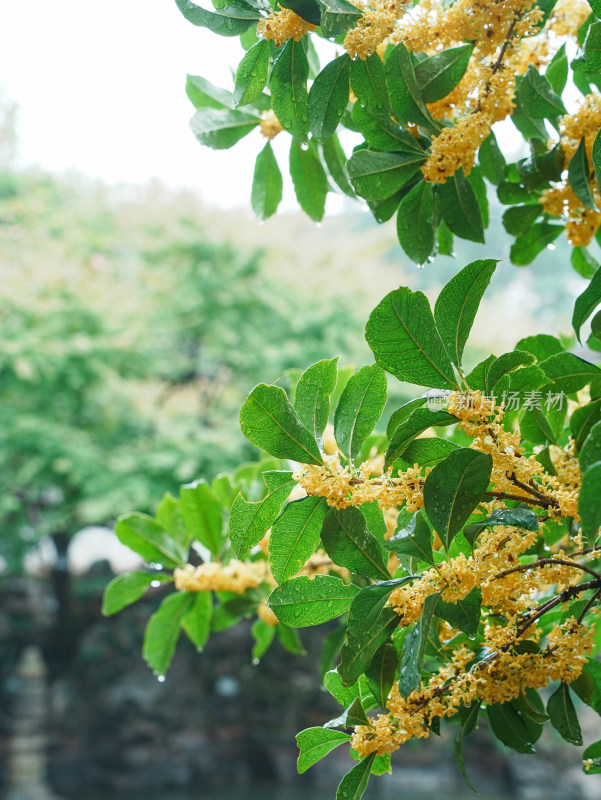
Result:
{"points": [[543, 562]]}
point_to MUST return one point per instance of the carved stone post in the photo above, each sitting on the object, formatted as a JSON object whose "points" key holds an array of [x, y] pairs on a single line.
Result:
{"points": [[27, 756]]}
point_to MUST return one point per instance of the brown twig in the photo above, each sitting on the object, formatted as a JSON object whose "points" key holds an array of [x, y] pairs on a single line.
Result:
{"points": [[543, 562]]}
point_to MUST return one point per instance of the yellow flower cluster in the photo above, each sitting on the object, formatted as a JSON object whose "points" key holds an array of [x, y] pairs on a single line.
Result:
{"points": [[374, 27], [568, 16], [236, 577], [456, 147], [343, 487], [270, 125], [503, 676], [282, 25]]}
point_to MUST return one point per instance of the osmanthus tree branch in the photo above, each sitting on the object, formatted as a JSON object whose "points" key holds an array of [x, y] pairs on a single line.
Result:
{"points": [[543, 562], [542, 502]]}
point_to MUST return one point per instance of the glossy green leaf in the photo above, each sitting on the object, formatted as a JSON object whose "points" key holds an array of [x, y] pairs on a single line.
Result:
{"points": [[162, 631], [315, 743], [381, 672], [579, 176], [368, 82], [541, 346], [249, 522], [415, 222], [170, 518], [349, 543], [564, 718], [403, 413], [335, 160], [439, 74], [354, 783], [590, 452], [583, 419], [537, 96], [568, 372], [415, 540], [457, 304], [557, 71], [309, 180], [252, 73], [267, 185], [145, 537], [202, 514], [263, 635], [344, 695], [221, 129], [525, 249], [351, 716], [589, 503], [268, 421], [197, 621], [381, 132], [376, 176], [512, 517], [405, 341], [590, 61], [359, 409], [374, 519], [460, 209], [304, 601], [428, 452], [518, 220], [125, 589], [468, 717], [405, 96], [464, 614], [419, 421], [337, 16], [328, 97], [414, 648], [228, 21], [596, 157], [509, 727], [313, 392], [491, 160], [453, 490], [204, 94], [295, 536], [586, 303], [308, 10], [288, 85], [583, 262], [506, 364], [591, 759]]}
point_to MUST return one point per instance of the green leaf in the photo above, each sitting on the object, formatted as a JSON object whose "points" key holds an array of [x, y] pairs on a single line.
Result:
{"points": [[249, 522], [288, 85], [307, 601], [308, 10], [464, 614], [414, 541], [591, 759], [328, 97], [295, 536], [203, 94], [403, 413], [557, 71], [351, 716], [428, 452], [315, 743], [453, 490], [457, 304], [519, 219], [202, 514], [252, 73], [381, 672], [579, 176], [589, 503], [344, 695], [368, 82], [568, 372], [268, 421], [313, 392], [335, 160], [376, 176], [290, 640], [591, 449], [509, 727], [596, 156], [563, 715], [263, 635], [197, 622], [531, 706], [374, 519], [354, 783], [583, 419], [535, 428], [415, 222], [506, 364], [511, 517], [414, 648], [125, 589], [370, 623], [468, 717], [381, 132], [221, 128], [170, 518], [229, 21], [405, 97], [359, 409], [309, 180], [537, 96], [583, 262], [349, 543], [525, 249], [587, 302], [591, 60], [162, 631], [337, 16], [491, 160], [460, 209], [419, 421], [405, 341], [476, 379], [145, 537], [542, 346], [439, 74], [267, 185]]}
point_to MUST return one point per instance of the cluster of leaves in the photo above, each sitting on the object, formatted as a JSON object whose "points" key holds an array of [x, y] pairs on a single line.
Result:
{"points": [[368, 651], [390, 95]]}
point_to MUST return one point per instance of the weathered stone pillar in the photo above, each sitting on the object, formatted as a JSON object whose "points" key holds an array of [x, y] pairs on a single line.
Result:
{"points": [[27, 755]]}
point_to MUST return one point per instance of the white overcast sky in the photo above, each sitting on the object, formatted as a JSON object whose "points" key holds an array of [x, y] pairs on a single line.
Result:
{"points": [[100, 88]]}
